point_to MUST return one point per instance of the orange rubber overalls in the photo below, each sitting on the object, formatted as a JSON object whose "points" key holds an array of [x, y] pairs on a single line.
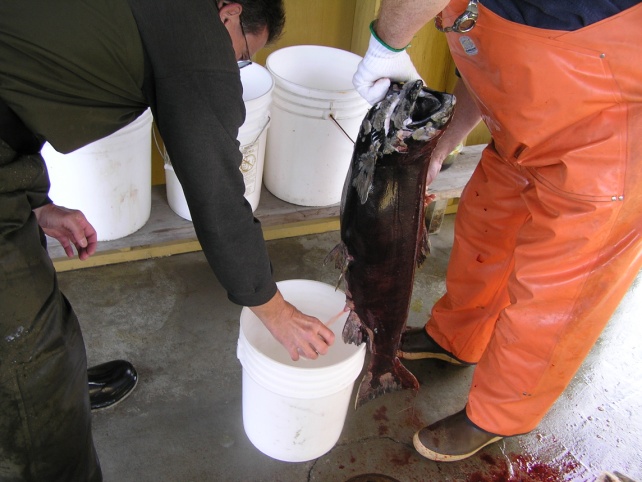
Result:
{"points": [[548, 230]]}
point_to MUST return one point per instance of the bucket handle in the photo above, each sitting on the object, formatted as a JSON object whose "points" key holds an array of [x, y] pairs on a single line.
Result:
{"points": [[257, 137], [333, 119], [163, 151]]}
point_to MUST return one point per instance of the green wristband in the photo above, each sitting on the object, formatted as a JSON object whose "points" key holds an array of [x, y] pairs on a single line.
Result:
{"points": [[374, 34]]}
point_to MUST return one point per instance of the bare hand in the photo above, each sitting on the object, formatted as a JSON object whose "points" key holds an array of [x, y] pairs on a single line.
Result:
{"points": [[300, 334], [439, 155], [466, 117], [68, 226]]}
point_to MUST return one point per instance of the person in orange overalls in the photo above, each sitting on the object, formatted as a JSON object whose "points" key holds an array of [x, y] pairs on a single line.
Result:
{"points": [[548, 230]]}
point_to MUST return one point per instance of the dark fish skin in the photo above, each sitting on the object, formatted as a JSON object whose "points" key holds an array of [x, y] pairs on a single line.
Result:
{"points": [[383, 235]]}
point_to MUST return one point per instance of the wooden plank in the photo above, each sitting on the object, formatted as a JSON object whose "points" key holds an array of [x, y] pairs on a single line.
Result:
{"points": [[451, 182], [123, 255], [166, 233], [273, 211], [449, 185], [182, 246], [435, 215], [290, 230]]}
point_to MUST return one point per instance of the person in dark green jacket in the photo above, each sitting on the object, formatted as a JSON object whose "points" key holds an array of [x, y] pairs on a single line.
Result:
{"points": [[74, 71]]}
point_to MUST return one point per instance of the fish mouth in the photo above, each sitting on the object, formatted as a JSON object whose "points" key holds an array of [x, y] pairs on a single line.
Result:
{"points": [[411, 105], [409, 110], [429, 107]]}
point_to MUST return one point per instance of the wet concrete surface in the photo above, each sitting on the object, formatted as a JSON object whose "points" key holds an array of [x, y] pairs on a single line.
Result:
{"points": [[172, 319]]}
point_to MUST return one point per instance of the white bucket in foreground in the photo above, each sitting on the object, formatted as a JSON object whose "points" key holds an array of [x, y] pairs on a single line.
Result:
{"points": [[109, 180], [308, 155], [295, 411], [257, 95]]}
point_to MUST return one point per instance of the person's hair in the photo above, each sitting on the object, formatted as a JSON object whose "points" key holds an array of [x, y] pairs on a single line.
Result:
{"points": [[258, 14]]}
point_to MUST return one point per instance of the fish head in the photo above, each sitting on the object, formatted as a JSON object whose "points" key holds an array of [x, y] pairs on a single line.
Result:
{"points": [[409, 111]]}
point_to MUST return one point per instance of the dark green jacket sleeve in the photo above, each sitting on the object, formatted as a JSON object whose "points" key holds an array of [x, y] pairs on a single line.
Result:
{"points": [[193, 85]]}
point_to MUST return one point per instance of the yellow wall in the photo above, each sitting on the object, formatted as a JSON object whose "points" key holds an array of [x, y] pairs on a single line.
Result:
{"points": [[344, 24], [314, 22]]}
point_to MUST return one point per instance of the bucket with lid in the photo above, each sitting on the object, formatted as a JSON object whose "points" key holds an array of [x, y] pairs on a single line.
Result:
{"points": [[257, 95], [295, 411], [316, 115], [109, 180]]}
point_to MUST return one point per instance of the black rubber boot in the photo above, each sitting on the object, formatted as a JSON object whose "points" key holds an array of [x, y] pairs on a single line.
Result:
{"points": [[110, 383], [416, 344]]}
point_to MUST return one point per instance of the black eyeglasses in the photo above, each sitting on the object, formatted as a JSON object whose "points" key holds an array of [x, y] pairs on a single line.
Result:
{"points": [[462, 24], [246, 57]]}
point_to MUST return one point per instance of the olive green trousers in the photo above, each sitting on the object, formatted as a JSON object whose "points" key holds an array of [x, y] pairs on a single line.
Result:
{"points": [[45, 416]]}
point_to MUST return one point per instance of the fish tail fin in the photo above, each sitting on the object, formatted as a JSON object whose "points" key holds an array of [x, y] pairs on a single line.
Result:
{"points": [[381, 379]]}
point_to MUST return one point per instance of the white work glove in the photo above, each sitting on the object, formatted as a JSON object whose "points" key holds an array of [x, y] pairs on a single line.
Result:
{"points": [[378, 67]]}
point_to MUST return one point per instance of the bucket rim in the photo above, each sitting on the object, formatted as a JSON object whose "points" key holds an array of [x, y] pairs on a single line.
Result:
{"points": [[280, 52], [144, 120], [268, 75], [356, 350]]}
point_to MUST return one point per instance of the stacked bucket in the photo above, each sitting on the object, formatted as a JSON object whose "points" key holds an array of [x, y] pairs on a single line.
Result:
{"points": [[108, 180], [257, 96], [302, 116], [295, 411], [316, 115]]}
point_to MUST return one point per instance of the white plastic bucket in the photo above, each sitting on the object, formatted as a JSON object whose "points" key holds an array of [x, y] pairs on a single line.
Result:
{"points": [[308, 155], [109, 180], [257, 95], [295, 411]]}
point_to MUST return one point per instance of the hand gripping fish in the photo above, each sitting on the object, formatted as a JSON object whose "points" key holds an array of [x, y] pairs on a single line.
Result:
{"points": [[383, 234]]}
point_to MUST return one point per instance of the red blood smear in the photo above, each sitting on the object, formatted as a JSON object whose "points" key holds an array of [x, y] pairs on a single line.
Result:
{"points": [[522, 469], [381, 414]]}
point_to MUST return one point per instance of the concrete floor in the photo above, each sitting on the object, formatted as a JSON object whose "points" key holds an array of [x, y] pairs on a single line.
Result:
{"points": [[171, 318]]}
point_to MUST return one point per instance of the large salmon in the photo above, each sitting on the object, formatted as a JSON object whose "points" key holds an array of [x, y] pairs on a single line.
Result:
{"points": [[383, 234]]}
